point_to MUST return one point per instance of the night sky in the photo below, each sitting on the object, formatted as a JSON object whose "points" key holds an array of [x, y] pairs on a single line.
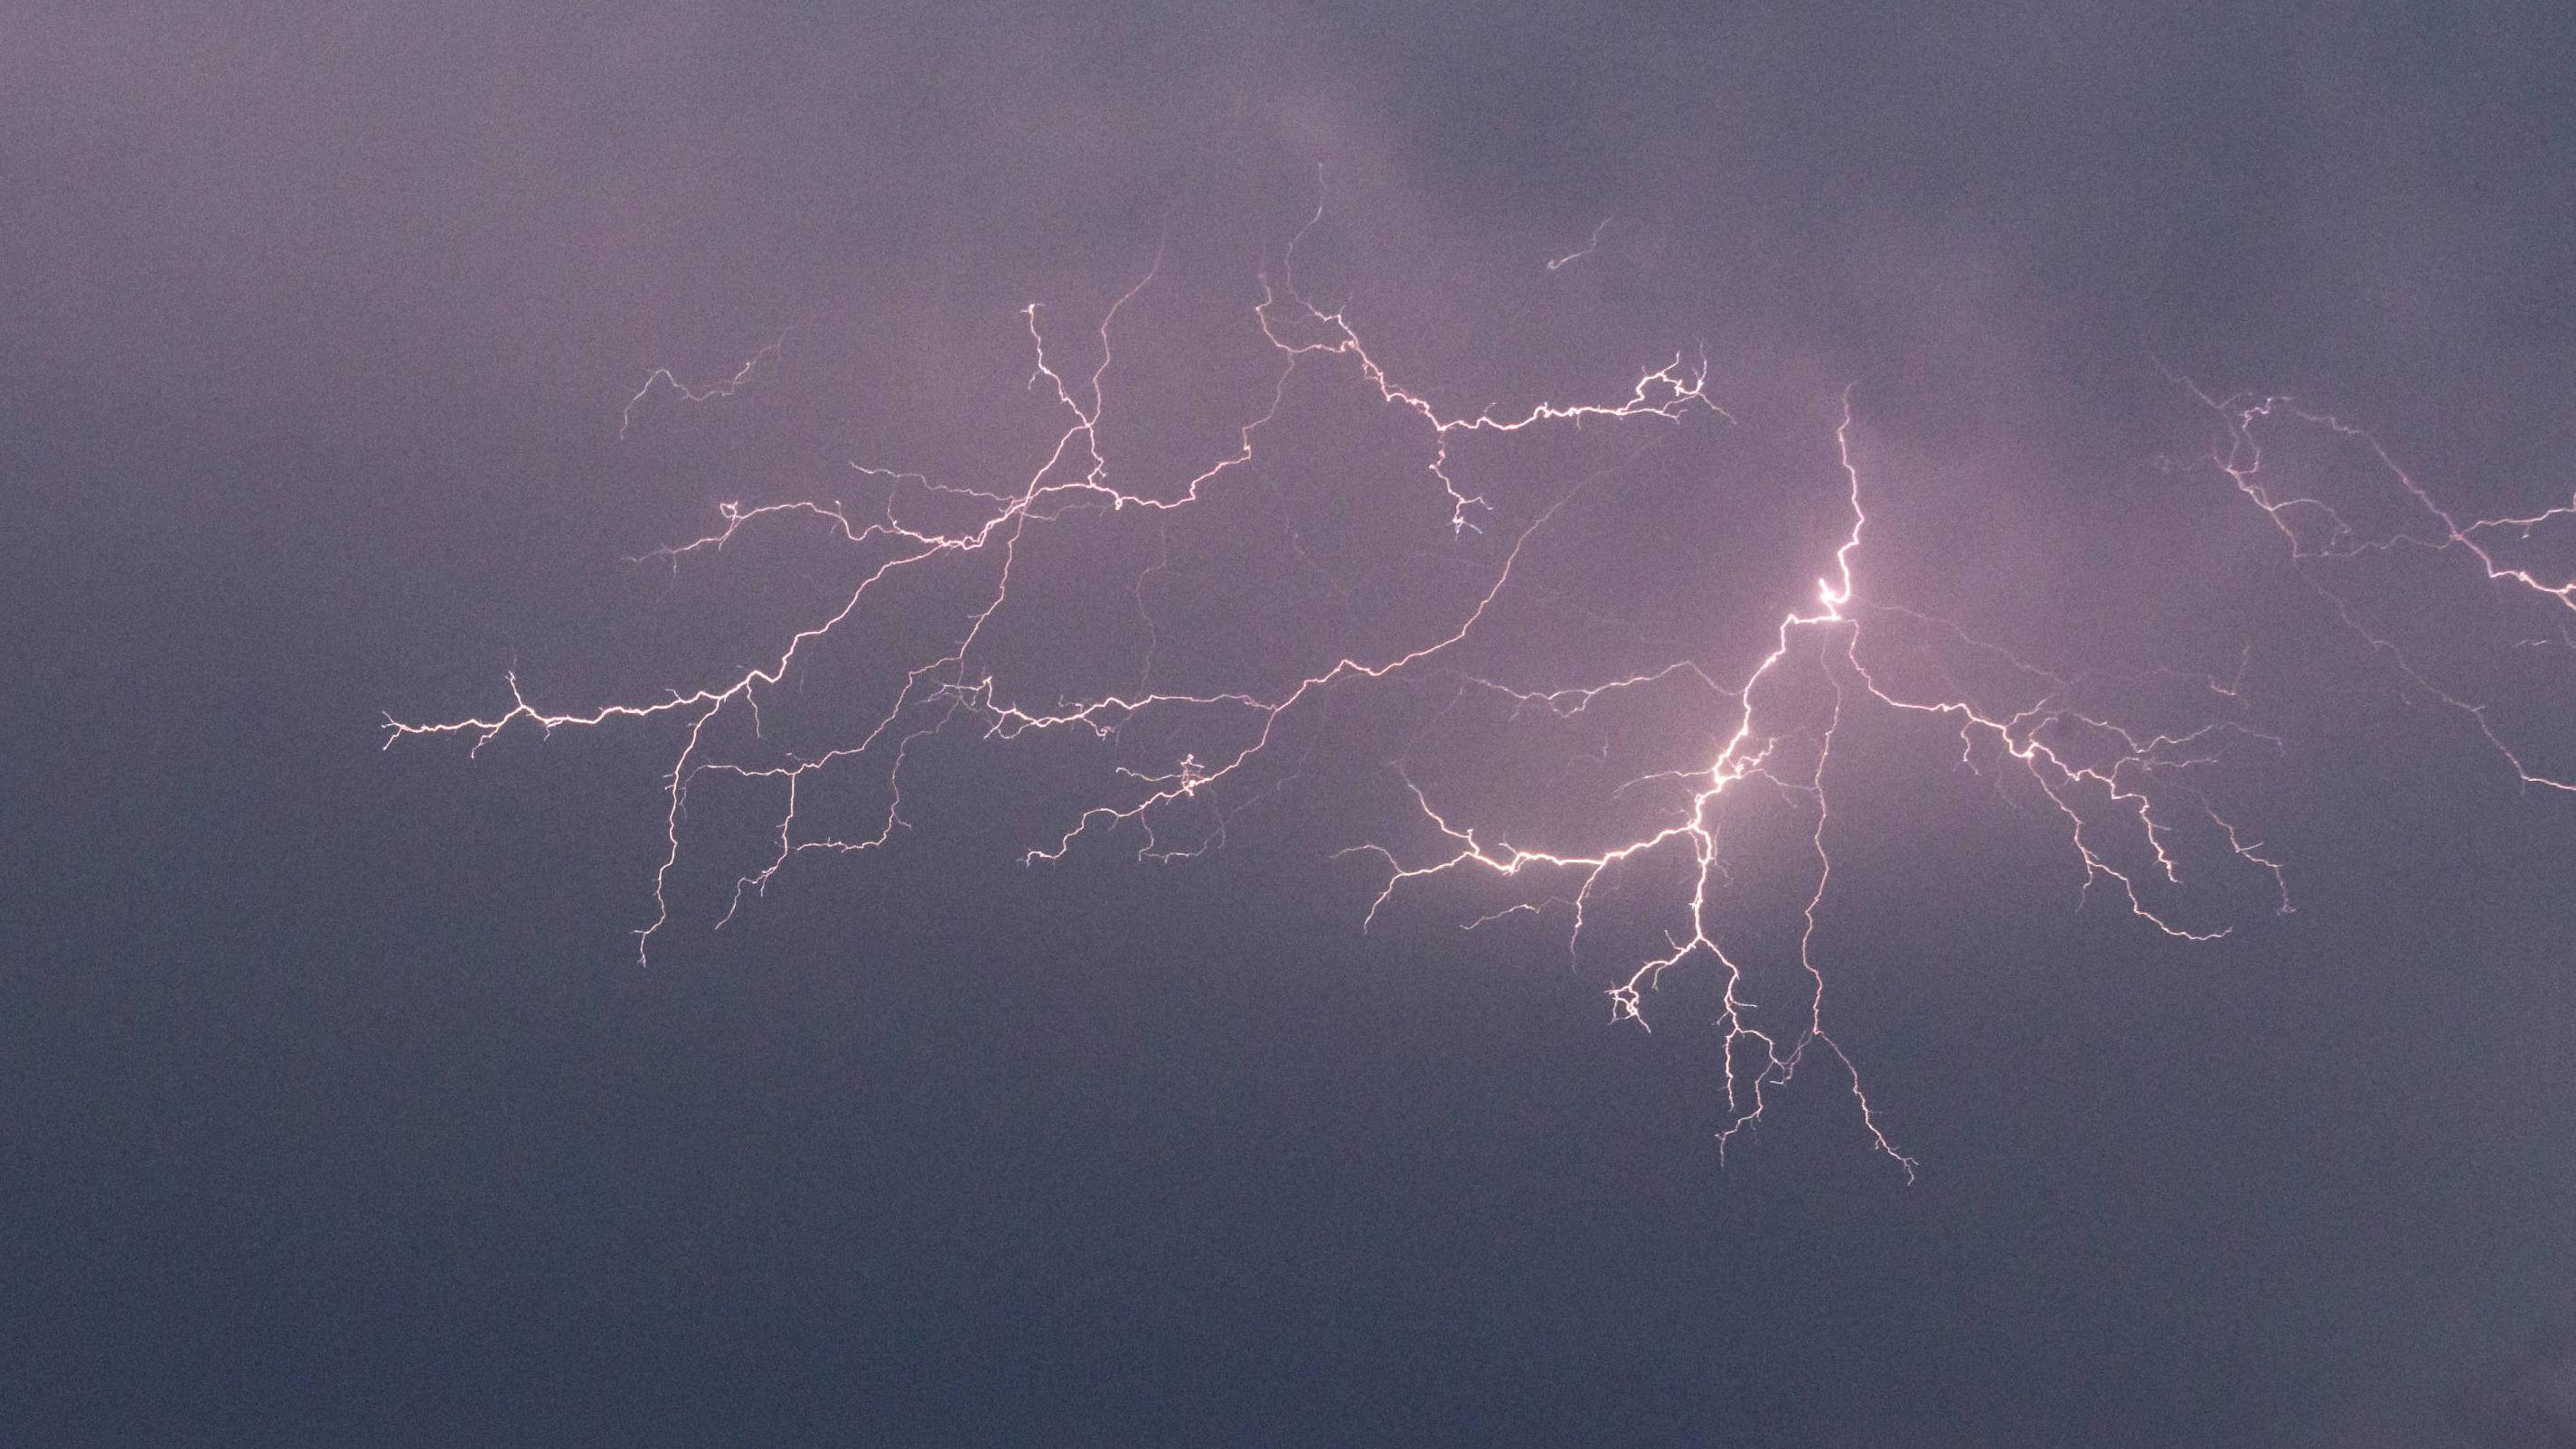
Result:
{"points": [[335, 1107]]}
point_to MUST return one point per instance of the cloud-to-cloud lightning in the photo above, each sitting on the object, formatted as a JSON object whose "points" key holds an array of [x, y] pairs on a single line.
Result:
{"points": [[2128, 796], [2405, 518]]}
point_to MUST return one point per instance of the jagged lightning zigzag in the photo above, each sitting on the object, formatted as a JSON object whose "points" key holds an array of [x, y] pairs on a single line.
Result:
{"points": [[2120, 790]]}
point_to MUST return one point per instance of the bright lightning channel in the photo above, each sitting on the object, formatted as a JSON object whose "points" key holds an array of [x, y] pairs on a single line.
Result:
{"points": [[2125, 796]]}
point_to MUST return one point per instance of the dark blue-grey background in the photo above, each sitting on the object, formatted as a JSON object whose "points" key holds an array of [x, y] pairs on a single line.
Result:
{"points": [[332, 1109]]}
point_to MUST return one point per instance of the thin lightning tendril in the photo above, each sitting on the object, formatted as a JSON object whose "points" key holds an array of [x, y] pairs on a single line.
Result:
{"points": [[663, 377], [2125, 796], [2241, 458], [1591, 244]]}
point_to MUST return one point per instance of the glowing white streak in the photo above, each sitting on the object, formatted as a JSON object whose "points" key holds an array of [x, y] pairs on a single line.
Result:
{"points": [[2135, 792]]}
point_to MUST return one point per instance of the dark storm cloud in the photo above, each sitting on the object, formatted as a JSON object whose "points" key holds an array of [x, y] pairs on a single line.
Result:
{"points": [[338, 1116]]}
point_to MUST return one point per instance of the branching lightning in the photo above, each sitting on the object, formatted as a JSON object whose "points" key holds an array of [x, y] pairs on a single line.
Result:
{"points": [[2320, 536], [2128, 797]]}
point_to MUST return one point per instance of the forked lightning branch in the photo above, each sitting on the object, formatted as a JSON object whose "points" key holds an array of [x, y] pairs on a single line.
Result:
{"points": [[2128, 798]]}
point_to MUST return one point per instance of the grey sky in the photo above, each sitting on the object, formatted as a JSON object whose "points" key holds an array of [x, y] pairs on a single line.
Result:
{"points": [[341, 1114]]}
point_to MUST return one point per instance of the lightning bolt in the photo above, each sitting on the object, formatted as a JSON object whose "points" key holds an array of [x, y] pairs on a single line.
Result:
{"points": [[2127, 796], [2321, 538], [1590, 245], [663, 377]]}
